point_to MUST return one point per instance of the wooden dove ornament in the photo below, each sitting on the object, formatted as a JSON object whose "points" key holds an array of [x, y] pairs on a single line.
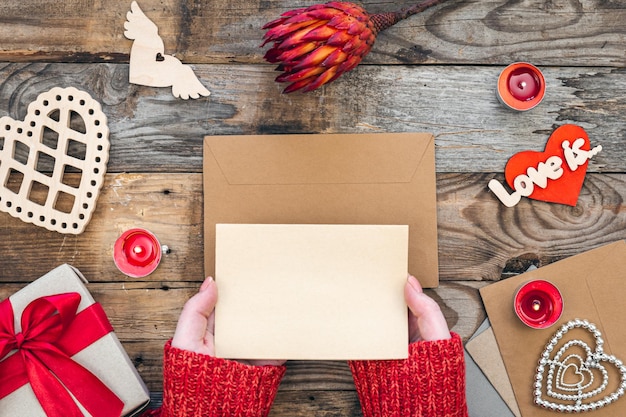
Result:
{"points": [[150, 66]]}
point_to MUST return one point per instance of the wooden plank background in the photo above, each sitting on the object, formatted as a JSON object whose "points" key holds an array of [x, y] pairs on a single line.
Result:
{"points": [[434, 72]]}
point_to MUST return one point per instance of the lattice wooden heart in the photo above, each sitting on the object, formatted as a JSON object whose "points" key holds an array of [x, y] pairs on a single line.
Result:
{"points": [[578, 378], [52, 164]]}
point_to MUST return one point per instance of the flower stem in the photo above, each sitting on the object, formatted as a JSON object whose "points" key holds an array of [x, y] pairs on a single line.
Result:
{"points": [[384, 21], [410, 11]]}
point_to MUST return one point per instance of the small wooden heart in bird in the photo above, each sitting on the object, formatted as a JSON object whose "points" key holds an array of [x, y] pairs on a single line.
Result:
{"points": [[52, 164], [555, 175], [150, 66]]}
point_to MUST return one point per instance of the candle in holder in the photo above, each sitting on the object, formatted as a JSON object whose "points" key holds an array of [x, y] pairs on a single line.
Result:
{"points": [[538, 304], [137, 253], [521, 86]]}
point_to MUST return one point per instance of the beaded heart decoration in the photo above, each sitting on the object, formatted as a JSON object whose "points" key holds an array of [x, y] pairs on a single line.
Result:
{"points": [[565, 382]]}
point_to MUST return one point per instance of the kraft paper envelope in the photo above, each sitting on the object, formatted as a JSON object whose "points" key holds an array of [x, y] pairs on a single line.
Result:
{"points": [[325, 179], [484, 352], [311, 292], [593, 286], [483, 395]]}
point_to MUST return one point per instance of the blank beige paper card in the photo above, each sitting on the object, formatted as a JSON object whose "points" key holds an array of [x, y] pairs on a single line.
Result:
{"points": [[331, 292]]}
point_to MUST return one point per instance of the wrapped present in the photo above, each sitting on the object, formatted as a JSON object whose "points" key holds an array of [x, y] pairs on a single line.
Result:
{"points": [[59, 355]]}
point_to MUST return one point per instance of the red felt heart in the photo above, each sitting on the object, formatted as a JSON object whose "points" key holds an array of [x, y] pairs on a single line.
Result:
{"points": [[564, 190]]}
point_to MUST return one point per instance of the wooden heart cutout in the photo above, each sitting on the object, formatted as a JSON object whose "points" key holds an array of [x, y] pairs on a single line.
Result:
{"points": [[568, 186], [52, 164], [577, 377], [555, 175]]}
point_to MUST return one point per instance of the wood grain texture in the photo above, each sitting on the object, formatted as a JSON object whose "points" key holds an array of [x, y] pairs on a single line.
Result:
{"points": [[144, 317], [505, 241], [304, 404], [479, 238], [433, 72], [151, 131], [496, 32], [170, 207], [316, 403]]}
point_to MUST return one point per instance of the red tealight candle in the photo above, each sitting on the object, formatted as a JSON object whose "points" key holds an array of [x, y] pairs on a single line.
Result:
{"points": [[521, 86], [538, 304], [137, 253]]}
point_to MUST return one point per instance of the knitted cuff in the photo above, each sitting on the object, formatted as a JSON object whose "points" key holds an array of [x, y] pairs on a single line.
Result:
{"points": [[196, 385], [431, 382]]}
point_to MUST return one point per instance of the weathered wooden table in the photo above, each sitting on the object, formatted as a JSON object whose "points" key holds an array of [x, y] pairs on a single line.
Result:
{"points": [[434, 72]]}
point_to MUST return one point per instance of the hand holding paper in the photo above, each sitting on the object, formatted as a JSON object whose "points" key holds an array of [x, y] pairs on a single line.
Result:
{"points": [[196, 324], [194, 331], [426, 322]]}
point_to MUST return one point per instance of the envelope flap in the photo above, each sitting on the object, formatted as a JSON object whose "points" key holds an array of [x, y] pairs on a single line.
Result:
{"points": [[607, 287], [320, 159]]}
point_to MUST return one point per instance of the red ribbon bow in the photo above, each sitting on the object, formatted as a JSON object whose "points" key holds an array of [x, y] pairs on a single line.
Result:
{"points": [[51, 333]]}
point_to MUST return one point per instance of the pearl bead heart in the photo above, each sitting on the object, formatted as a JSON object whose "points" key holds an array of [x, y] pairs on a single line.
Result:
{"points": [[572, 394]]}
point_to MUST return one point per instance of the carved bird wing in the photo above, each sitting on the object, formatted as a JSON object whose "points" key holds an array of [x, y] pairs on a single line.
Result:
{"points": [[186, 84], [142, 30], [148, 63]]}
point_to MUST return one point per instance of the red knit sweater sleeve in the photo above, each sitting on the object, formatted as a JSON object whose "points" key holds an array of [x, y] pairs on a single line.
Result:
{"points": [[196, 385], [431, 382]]}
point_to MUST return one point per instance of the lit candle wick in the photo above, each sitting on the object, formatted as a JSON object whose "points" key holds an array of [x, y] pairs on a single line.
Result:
{"points": [[522, 85], [137, 249], [536, 305]]}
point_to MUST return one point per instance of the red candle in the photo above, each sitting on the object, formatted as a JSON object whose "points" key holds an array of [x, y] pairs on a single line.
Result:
{"points": [[538, 304], [521, 86], [137, 253]]}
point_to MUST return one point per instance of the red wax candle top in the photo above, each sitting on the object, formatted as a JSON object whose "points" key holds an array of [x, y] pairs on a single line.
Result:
{"points": [[521, 86], [538, 304], [524, 84], [137, 253], [139, 249]]}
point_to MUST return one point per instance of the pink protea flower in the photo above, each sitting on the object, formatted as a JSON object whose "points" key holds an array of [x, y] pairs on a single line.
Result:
{"points": [[317, 44]]}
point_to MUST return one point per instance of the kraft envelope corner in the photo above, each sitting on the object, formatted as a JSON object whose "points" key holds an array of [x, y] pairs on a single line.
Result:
{"points": [[593, 287], [331, 292], [381, 178]]}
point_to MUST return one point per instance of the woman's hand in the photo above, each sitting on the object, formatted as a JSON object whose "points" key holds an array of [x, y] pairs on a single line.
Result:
{"points": [[426, 321], [196, 324]]}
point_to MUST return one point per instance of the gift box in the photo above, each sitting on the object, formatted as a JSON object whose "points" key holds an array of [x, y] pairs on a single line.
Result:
{"points": [[59, 355]]}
